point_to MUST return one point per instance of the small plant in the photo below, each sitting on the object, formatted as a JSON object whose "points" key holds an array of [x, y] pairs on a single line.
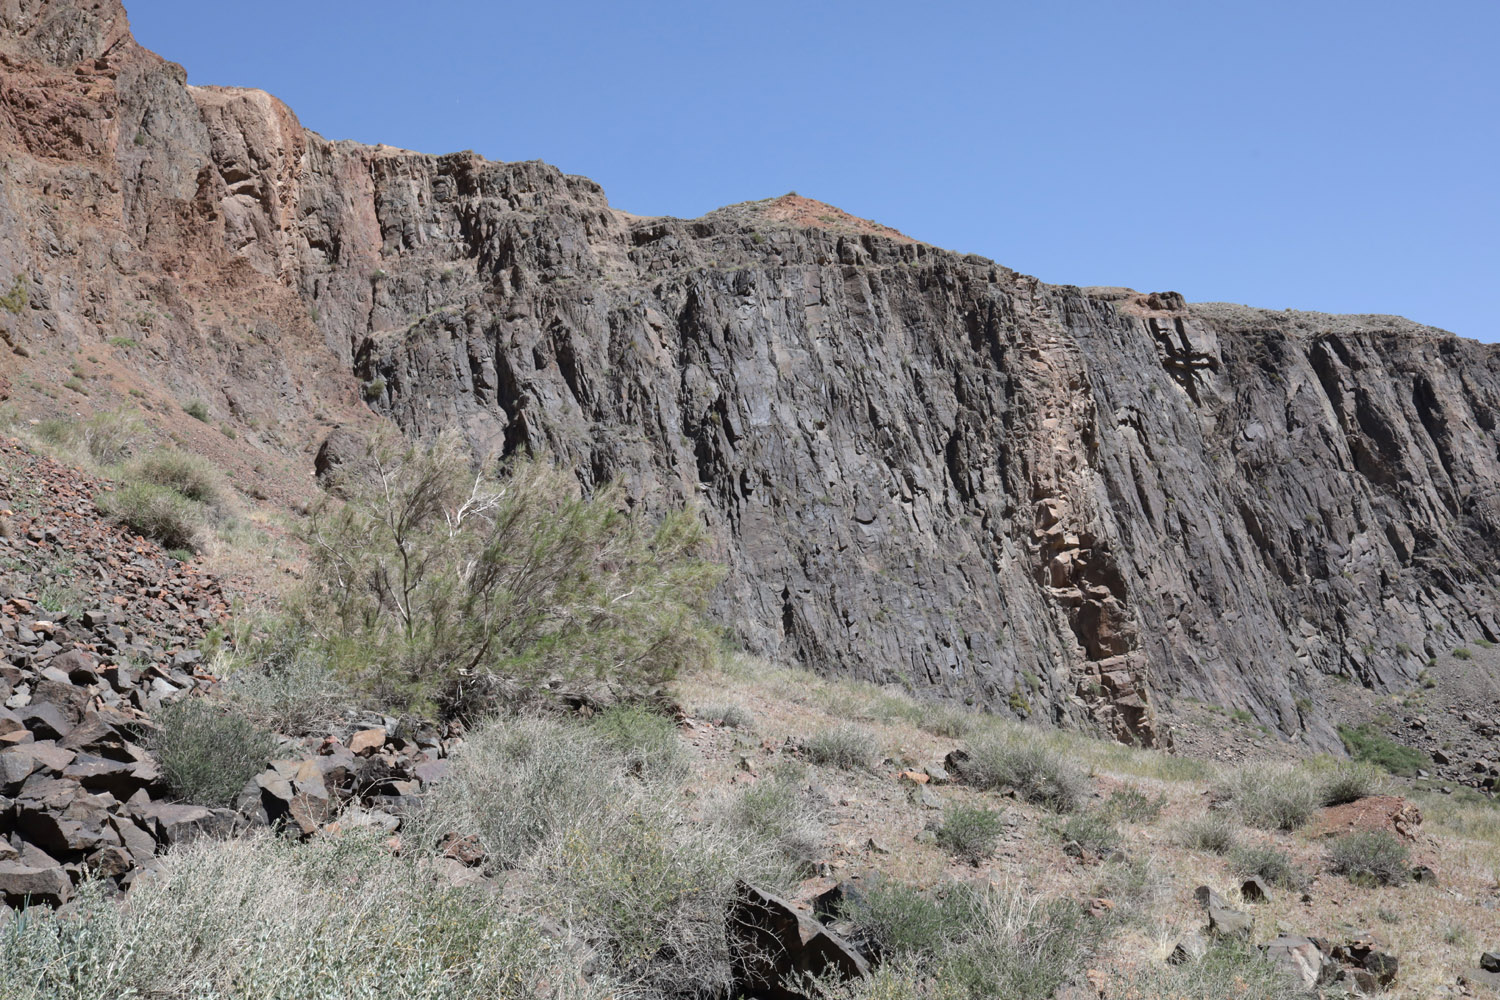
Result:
{"points": [[207, 754], [1242, 715], [1271, 797], [778, 812], [729, 716], [847, 746], [902, 920], [125, 343], [1370, 857], [1131, 805], [969, 833], [1367, 743], [17, 298], [190, 476], [1463, 653], [1484, 644], [646, 742], [155, 512], [1038, 774], [1349, 781], [1269, 864], [374, 389], [1214, 833], [197, 409], [1090, 831], [76, 385]]}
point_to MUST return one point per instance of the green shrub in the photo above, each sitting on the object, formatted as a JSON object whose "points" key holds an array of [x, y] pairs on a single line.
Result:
{"points": [[103, 438], [729, 716], [970, 945], [1229, 969], [1038, 773], [190, 475], [776, 811], [610, 856], [207, 752], [197, 409], [1131, 805], [1370, 857], [256, 917], [374, 389], [283, 683], [1270, 796], [1367, 743], [1270, 864], [1091, 831], [970, 833], [17, 298], [1350, 781], [645, 741], [155, 512], [1214, 832], [900, 920], [849, 747], [431, 582]]}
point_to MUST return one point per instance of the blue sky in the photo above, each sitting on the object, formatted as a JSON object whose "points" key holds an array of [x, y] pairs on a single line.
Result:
{"points": [[1340, 156]]}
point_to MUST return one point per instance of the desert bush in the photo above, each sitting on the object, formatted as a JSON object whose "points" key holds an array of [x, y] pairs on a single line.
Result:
{"points": [[283, 682], [1038, 773], [847, 746], [192, 476], [1370, 857], [901, 920], [1349, 781], [991, 943], [519, 784], [730, 716], [1271, 864], [646, 742], [432, 581], [254, 917], [970, 833], [1366, 742], [1213, 832], [156, 512], [777, 811], [599, 852], [1229, 969], [197, 409], [208, 752], [103, 438], [1270, 796], [1092, 831], [1131, 805]]}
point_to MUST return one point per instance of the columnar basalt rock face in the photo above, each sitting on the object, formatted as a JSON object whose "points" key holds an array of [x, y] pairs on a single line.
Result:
{"points": [[919, 466]]}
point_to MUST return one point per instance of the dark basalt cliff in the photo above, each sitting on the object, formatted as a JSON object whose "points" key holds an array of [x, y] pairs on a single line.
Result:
{"points": [[919, 466]]}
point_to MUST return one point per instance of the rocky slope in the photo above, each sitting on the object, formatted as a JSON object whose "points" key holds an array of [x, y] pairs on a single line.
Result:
{"points": [[1084, 504]]}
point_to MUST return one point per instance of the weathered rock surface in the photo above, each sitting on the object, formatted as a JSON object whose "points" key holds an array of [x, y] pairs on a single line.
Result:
{"points": [[918, 465]]}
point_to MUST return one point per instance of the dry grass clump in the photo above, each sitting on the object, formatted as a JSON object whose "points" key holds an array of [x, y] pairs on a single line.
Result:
{"points": [[600, 845], [156, 512], [848, 747], [254, 918], [1270, 796], [970, 944], [1272, 865], [778, 811], [1229, 969], [1038, 773], [190, 476], [208, 752], [1370, 857], [100, 440], [970, 833], [1349, 781], [1214, 832], [729, 716], [644, 740]]}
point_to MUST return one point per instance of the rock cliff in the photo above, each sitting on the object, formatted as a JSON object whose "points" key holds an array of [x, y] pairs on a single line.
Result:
{"points": [[919, 466]]}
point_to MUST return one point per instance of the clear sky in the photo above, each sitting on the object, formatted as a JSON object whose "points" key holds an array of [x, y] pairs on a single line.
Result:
{"points": [[1321, 154]]}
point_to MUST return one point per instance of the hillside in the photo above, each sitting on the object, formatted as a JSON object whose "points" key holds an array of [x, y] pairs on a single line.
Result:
{"points": [[1092, 506]]}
